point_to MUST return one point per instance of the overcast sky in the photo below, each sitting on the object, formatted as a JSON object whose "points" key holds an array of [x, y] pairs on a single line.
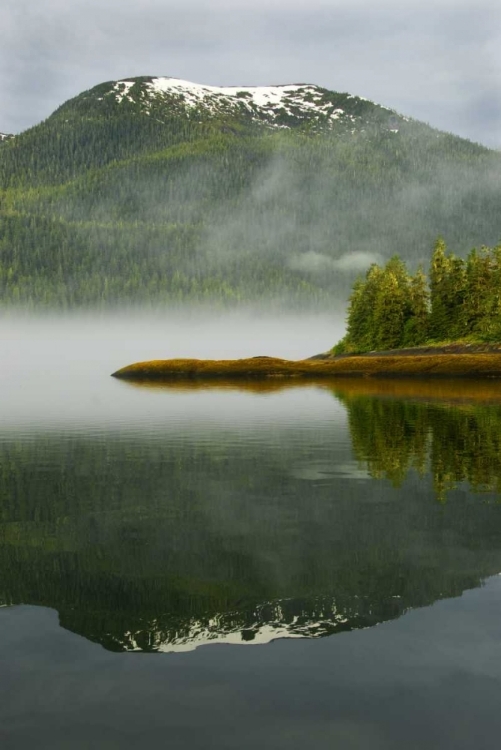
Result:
{"points": [[435, 60]]}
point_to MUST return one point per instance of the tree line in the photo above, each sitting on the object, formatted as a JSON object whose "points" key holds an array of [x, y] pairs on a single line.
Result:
{"points": [[391, 308]]}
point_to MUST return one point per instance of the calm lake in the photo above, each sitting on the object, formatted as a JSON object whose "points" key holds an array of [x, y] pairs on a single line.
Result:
{"points": [[262, 566]]}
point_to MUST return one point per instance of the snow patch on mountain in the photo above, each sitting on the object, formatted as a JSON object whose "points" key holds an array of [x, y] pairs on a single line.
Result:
{"points": [[296, 100], [259, 96], [5, 136], [272, 104], [122, 89]]}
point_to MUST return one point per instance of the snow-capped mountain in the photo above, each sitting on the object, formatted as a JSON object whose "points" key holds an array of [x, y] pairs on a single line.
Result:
{"points": [[5, 137], [280, 106], [295, 185]]}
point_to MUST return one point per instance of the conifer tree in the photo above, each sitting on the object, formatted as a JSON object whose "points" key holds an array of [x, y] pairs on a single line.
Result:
{"points": [[417, 326], [357, 317], [495, 295], [360, 334], [479, 298], [455, 298], [392, 308], [440, 271]]}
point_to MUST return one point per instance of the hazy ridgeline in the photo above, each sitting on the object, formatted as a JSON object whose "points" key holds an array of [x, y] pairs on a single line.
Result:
{"points": [[97, 211]]}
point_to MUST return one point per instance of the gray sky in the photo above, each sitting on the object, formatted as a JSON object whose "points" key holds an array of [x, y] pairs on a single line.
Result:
{"points": [[435, 60]]}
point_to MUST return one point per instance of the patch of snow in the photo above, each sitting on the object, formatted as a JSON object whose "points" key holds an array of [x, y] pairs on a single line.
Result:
{"points": [[122, 89], [264, 103], [260, 95]]}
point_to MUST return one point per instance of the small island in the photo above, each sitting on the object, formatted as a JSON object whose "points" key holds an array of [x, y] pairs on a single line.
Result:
{"points": [[398, 326]]}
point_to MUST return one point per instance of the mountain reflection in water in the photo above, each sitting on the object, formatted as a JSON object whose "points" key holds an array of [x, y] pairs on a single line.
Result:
{"points": [[167, 539]]}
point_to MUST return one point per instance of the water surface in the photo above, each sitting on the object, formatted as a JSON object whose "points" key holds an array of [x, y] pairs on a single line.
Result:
{"points": [[237, 566]]}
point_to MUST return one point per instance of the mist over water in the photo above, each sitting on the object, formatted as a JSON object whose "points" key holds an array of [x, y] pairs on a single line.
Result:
{"points": [[56, 369], [167, 518], [288, 516]]}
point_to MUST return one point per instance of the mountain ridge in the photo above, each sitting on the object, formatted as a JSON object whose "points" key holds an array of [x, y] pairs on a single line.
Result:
{"points": [[160, 190], [282, 105]]}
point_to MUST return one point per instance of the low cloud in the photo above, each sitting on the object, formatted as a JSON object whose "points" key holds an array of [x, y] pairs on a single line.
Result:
{"points": [[349, 263], [357, 261]]}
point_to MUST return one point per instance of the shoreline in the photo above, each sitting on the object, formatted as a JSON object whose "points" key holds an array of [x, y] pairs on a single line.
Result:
{"points": [[375, 365]]}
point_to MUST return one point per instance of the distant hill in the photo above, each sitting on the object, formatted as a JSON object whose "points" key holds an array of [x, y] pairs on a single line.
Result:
{"points": [[151, 190]]}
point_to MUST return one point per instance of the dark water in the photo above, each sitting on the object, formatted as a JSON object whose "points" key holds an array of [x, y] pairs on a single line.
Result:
{"points": [[262, 566]]}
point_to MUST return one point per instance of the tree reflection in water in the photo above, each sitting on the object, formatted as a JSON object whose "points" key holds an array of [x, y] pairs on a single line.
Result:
{"points": [[451, 429]]}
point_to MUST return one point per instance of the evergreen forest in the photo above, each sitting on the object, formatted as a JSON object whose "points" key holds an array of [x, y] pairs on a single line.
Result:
{"points": [[460, 300], [104, 203]]}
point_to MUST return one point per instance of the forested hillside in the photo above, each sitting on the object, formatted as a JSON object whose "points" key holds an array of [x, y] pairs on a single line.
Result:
{"points": [[145, 191]]}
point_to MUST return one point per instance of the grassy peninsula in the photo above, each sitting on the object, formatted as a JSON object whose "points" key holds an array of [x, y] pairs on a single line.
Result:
{"points": [[476, 365]]}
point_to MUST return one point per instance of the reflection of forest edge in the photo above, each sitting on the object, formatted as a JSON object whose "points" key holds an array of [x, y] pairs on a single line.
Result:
{"points": [[454, 434]]}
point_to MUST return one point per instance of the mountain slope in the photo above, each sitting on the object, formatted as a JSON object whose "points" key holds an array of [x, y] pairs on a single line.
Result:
{"points": [[159, 190], [126, 118]]}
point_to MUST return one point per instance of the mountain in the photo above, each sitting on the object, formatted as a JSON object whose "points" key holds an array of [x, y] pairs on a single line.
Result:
{"points": [[5, 137], [151, 190], [285, 106]]}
